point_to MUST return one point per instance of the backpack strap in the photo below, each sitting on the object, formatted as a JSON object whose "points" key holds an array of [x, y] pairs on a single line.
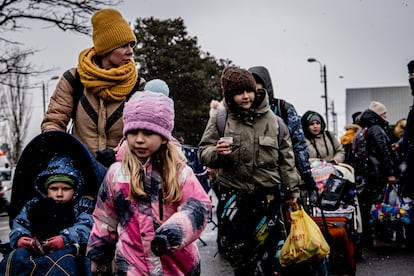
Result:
{"points": [[330, 138], [281, 130], [280, 109], [221, 120], [77, 87], [78, 96]]}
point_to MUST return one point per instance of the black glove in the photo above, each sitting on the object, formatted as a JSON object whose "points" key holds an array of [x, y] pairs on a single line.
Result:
{"points": [[159, 245], [106, 157]]}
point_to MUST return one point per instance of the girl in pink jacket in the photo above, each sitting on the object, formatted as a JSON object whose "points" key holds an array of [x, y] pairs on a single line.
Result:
{"points": [[150, 208]]}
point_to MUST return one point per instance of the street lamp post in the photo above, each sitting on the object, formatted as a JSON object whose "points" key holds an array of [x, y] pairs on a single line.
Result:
{"points": [[44, 88], [325, 86]]}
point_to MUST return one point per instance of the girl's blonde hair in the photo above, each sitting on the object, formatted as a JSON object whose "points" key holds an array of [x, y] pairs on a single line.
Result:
{"points": [[168, 160]]}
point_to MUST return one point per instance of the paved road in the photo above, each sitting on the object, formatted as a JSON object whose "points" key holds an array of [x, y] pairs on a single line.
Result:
{"points": [[4, 228], [211, 264], [384, 260]]}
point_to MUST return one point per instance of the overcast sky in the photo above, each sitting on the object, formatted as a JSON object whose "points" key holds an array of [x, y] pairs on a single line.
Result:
{"points": [[363, 43]]}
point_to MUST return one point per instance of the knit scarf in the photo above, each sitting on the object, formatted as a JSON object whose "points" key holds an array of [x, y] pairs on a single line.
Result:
{"points": [[110, 85]]}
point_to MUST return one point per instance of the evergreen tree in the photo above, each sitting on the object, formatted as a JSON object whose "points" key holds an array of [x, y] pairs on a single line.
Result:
{"points": [[166, 51]]}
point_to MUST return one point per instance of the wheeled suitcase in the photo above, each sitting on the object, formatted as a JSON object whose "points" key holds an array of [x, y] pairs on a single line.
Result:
{"points": [[342, 258]]}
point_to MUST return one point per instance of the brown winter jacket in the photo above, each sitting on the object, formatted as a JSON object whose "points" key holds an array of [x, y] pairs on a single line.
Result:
{"points": [[95, 134]]}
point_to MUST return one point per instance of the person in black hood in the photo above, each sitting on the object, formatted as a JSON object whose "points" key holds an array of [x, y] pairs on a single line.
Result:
{"points": [[407, 189], [379, 168], [407, 171], [289, 115]]}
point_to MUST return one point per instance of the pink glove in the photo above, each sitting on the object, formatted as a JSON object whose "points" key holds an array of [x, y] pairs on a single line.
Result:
{"points": [[30, 243], [25, 242], [54, 243]]}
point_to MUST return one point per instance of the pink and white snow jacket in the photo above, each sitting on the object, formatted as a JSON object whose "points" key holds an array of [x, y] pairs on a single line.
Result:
{"points": [[135, 223]]}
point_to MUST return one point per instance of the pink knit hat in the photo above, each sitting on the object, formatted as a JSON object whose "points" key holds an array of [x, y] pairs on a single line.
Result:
{"points": [[150, 111]]}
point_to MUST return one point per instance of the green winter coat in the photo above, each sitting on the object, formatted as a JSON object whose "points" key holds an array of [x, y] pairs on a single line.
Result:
{"points": [[257, 160]]}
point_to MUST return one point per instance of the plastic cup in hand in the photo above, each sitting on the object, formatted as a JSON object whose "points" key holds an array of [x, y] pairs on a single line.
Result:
{"points": [[228, 140]]}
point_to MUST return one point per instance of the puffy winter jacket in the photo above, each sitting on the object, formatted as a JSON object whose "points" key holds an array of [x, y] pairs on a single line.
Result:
{"points": [[96, 134], [125, 228], [380, 155], [79, 232], [257, 160]]}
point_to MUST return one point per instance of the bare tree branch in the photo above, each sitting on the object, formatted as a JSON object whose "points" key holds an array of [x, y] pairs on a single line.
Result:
{"points": [[15, 70], [10, 65], [65, 14], [15, 107]]}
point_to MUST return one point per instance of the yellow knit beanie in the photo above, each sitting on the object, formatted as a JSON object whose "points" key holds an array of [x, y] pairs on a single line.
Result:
{"points": [[110, 31]]}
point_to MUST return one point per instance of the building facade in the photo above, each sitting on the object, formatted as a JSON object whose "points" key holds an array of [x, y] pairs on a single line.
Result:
{"points": [[397, 99]]}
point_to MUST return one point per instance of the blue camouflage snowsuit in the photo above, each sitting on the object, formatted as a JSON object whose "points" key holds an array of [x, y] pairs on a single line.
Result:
{"points": [[75, 237]]}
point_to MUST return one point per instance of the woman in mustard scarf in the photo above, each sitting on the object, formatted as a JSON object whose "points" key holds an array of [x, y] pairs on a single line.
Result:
{"points": [[93, 94]]}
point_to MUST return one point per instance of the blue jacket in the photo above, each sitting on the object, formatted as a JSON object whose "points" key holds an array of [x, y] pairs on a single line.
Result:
{"points": [[78, 233]]}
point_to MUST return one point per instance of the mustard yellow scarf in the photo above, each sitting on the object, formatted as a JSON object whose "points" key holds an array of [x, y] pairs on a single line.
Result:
{"points": [[111, 85]]}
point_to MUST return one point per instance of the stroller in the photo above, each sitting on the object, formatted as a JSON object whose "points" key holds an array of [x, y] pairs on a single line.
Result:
{"points": [[33, 160], [37, 153], [335, 208]]}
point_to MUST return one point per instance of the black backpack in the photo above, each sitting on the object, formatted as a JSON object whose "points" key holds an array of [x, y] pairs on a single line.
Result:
{"points": [[360, 151], [279, 108]]}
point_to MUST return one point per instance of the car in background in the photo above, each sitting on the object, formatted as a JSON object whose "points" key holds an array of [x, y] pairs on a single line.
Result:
{"points": [[5, 182]]}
